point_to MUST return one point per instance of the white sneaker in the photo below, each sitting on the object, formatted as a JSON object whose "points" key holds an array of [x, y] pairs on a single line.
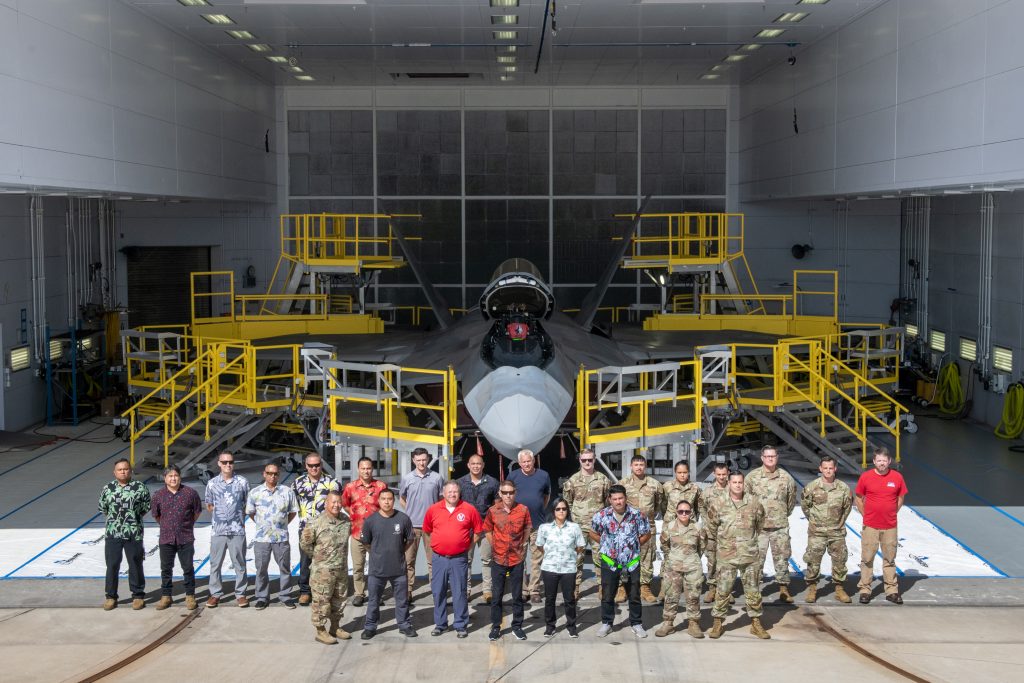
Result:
{"points": [[604, 630], [639, 631]]}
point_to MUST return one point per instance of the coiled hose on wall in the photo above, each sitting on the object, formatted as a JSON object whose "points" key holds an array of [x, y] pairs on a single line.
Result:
{"points": [[1012, 423], [949, 390]]}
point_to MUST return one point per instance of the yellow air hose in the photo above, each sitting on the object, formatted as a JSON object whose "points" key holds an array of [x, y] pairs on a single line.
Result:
{"points": [[1012, 424], [950, 391]]}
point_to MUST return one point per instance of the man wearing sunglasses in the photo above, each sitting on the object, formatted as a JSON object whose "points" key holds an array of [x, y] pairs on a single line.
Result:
{"points": [[226, 496], [682, 545], [508, 526], [311, 490], [586, 492]]}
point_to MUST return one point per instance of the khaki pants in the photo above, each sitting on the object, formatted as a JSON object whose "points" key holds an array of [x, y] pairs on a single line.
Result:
{"points": [[533, 586], [778, 539], [359, 552], [410, 557], [485, 564], [870, 542]]}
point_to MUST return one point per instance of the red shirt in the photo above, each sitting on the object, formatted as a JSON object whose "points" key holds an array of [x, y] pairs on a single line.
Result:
{"points": [[451, 533], [880, 493], [509, 531], [360, 501]]}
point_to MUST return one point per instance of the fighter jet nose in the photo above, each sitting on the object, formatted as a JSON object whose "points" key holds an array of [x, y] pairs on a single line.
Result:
{"points": [[518, 408]]}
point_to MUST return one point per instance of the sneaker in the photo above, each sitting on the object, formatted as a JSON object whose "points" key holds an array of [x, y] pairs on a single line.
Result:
{"points": [[549, 631], [290, 604], [367, 635], [437, 631], [243, 601], [604, 630], [519, 633], [358, 601], [639, 631], [462, 634], [494, 635], [260, 604], [573, 633], [408, 632]]}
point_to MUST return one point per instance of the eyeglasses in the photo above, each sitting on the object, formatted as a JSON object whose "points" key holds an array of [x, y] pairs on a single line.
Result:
{"points": [[272, 474], [586, 460], [684, 512], [506, 493], [226, 462], [561, 509], [313, 465]]}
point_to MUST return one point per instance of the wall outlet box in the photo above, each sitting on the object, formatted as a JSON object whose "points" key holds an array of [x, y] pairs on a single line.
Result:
{"points": [[999, 383]]}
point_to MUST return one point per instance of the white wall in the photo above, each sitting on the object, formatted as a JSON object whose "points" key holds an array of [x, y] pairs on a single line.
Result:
{"points": [[96, 96], [915, 93]]}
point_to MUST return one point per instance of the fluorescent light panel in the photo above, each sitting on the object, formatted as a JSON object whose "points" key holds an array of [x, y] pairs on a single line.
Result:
{"points": [[296, 69], [19, 358], [1002, 358], [770, 33], [504, 3], [911, 329], [736, 58], [56, 349], [504, 35], [194, 3], [277, 59], [219, 19], [506, 59], [709, 77], [750, 47], [968, 349], [937, 340], [506, 77], [790, 18], [720, 67], [258, 47], [505, 19], [812, 2], [240, 35], [306, 77], [509, 69]]}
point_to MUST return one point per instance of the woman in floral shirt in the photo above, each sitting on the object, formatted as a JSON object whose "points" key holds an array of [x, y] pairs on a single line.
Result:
{"points": [[562, 541]]}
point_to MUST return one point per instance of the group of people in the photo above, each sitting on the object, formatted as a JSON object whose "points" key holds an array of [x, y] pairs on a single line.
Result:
{"points": [[732, 524]]}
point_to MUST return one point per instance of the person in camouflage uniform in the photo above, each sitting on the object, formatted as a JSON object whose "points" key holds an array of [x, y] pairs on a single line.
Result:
{"points": [[718, 490], [680, 488], [586, 492], [736, 522], [645, 494], [325, 540], [682, 544], [777, 491], [826, 502]]}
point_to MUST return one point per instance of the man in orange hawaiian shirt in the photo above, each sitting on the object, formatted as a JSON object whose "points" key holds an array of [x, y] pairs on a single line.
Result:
{"points": [[359, 498]]}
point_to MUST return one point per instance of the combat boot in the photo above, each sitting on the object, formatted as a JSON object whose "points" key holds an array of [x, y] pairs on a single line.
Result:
{"points": [[694, 629], [322, 636], [620, 595], [337, 631], [812, 593], [717, 629], [709, 598], [666, 628], [784, 595], [841, 595], [757, 629], [646, 595], [190, 602], [165, 602]]}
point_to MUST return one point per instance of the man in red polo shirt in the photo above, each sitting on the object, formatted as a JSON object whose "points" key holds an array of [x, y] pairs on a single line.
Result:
{"points": [[360, 500], [508, 528], [453, 525], [879, 497]]}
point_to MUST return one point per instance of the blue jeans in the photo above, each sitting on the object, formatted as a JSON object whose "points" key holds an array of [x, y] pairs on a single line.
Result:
{"points": [[450, 573]]}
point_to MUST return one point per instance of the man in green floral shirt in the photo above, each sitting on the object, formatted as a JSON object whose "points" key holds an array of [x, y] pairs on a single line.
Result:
{"points": [[124, 502]]}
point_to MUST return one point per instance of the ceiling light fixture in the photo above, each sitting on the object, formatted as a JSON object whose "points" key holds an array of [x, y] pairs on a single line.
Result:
{"points": [[508, 48], [750, 47], [258, 47], [194, 3], [812, 2], [509, 69], [505, 19], [736, 58], [504, 35], [709, 77], [240, 35], [305, 77], [219, 19], [771, 33], [720, 67], [277, 59], [504, 3], [506, 59], [790, 17], [506, 78], [296, 69]]}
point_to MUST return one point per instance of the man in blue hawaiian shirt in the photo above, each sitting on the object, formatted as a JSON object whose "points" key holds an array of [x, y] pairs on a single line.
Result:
{"points": [[620, 529], [273, 508], [225, 498]]}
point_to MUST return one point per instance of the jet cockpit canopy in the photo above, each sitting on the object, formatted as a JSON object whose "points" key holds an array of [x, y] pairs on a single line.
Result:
{"points": [[517, 287]]}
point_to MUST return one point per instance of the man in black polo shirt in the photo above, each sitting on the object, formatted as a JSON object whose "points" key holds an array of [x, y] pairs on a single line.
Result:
{"points": [[388, 534], [479, 490]]}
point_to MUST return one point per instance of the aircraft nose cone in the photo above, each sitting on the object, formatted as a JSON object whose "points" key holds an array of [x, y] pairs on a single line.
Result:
{"points": [[518, 408]]}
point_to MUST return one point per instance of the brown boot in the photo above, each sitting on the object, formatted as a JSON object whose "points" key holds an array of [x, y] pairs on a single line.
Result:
{"points": [[841, 595], [620, 595], [190, 602], [666, 628], [757, 629], [322, 636], [646, 595], [717, 629], [305, 599], [487, 598], [812, 594], [337, 631], [709, 598], [784, 595], [109, 604], [165, 602], [694, 629], [138, 603]]}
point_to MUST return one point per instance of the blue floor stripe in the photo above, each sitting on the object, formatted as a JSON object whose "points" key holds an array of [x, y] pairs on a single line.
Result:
{"points": [[963, 545], [68, 441], [51, 546], [66, 481], [966, 490]]}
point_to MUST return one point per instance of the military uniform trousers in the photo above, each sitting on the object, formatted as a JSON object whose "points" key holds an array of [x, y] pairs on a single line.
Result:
{"points": [[595, 555], [673, 581], [870, 541], [750, 576], [329, 588], [711, 553], [817, 545], [778, 539]]}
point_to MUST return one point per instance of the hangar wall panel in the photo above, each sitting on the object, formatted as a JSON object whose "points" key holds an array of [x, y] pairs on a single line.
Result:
{"points": [[92, 90]]}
